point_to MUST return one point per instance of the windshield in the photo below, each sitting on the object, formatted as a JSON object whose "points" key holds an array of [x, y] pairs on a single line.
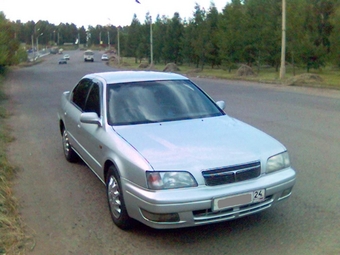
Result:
{"points": [[157, 101], [88, 53]]}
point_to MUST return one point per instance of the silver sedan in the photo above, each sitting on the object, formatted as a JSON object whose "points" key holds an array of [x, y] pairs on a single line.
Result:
{"points": [[169, 155]]}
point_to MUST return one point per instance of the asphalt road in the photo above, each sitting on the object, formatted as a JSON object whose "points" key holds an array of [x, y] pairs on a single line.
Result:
{"points": [[65, 208]]}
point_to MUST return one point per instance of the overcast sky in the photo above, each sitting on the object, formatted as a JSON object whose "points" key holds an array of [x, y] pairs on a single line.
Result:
{"points": [[100, 12]]}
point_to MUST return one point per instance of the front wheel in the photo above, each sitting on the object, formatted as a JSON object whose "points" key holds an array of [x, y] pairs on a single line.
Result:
{"points": [[115, 199]]}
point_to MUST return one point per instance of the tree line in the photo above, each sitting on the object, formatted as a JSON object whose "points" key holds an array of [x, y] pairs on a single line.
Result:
{"points": [[245, 31]]}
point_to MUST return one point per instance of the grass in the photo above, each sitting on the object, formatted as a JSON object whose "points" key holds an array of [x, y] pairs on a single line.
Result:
{"points": [[330, 76], [13, 239]]}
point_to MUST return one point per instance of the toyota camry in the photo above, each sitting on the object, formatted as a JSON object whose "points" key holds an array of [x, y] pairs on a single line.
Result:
{"points": [[169, 155]]}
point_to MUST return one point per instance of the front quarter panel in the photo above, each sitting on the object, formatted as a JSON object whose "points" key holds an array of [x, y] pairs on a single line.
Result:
{"points": [[130, 164]]}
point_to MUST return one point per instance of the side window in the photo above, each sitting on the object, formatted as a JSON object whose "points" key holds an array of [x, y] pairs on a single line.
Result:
{"points": [[80, 92], [93, 100]]}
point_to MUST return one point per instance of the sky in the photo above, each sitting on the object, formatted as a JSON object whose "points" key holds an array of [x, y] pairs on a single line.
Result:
{"points": [[100, 12]]}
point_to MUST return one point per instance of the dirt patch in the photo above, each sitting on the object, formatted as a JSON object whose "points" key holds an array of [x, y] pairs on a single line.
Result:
{"points": [[171, 67], [304, 79], [245, 70], [143, 65]]}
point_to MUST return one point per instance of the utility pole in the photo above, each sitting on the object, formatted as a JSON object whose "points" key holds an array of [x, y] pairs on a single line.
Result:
{"points": [[32, 46], [283, 44], [151, 43], [108, 39], [118, 45]]}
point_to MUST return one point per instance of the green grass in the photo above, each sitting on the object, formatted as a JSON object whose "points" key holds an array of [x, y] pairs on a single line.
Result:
{"points": [[13, 239], [330, 75]]}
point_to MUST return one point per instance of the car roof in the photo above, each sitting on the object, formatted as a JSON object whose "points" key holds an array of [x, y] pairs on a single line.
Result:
{"points": [[135, 76]]}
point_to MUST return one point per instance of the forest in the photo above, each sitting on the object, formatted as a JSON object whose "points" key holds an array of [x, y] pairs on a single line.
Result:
{"points": [[244, 32]]}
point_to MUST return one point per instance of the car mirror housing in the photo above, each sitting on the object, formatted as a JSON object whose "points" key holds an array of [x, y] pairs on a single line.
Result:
{"points": [[221, 104], [90, 118]]}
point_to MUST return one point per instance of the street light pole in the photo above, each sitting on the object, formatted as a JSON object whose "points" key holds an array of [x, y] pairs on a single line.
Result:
{"points": [[38, 43], [283, 44]]}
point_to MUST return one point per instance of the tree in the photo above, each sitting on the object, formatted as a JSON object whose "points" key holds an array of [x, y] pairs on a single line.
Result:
{"points": [[172, 40], [200, 36], [313, 45], [82, 35], [132, 42], [335, 37], [158, 38], [213, 56], [263, 40], [8, 43], [187, 52], [232, 33]]}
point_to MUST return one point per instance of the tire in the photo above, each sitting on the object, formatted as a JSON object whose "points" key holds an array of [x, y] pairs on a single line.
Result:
{"points": [[69, 153], [115, 200]]}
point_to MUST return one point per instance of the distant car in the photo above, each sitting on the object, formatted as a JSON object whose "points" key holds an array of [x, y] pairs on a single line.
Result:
{"points": [[54, 50], [67, 57], [169, 156], [105, 57], [62, 61], [89, 56]]}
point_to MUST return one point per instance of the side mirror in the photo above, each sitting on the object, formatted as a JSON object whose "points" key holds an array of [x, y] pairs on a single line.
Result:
{"points": [[221, 104], [90, 118]]}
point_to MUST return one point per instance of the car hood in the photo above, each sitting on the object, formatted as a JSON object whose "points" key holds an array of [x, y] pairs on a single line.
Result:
{"points": [[199, 143]]}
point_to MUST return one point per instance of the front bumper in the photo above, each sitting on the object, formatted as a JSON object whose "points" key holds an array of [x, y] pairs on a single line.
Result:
{"points": [[194, 205]]}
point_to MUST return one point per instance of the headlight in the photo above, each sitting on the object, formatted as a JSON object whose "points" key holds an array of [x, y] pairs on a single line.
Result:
{"points": [[278, 162], [169, 180]]}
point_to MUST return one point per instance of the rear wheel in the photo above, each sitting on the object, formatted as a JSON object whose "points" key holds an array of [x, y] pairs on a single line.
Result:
{"points": [[69, 153], [116, 200]]}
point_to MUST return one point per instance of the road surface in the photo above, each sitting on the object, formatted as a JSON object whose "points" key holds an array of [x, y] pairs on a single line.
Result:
{"points": [[64, 205]]}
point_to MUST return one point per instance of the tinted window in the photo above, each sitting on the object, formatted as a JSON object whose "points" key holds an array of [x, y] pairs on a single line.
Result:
{"points": [[157, 101], [93, 100], [80, 93]]}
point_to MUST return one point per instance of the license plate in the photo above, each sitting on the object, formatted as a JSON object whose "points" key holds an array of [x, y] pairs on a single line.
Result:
{"points": [[238, 200]]}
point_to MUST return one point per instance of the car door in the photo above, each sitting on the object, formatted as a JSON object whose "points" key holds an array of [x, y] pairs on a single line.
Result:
{"points": [[90, 135], [73, 111]]}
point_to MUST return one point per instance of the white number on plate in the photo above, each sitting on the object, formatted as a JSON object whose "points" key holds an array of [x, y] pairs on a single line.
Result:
{"points": [[258, 195]]}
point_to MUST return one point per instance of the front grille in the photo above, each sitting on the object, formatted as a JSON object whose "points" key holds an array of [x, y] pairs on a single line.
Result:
{"points": [[232, 174]]}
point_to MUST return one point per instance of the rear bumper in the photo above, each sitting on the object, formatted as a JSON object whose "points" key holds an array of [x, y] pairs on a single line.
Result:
{"points": [[194, 205]]}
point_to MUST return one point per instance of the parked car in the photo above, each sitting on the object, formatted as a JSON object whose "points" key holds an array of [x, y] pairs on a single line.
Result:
{"points": [[62, 61], [169, 155], [67, 57], [105, 57]]}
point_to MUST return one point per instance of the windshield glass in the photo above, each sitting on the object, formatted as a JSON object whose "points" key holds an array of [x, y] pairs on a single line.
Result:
{"points": [[88, 53], [157, 101]]}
